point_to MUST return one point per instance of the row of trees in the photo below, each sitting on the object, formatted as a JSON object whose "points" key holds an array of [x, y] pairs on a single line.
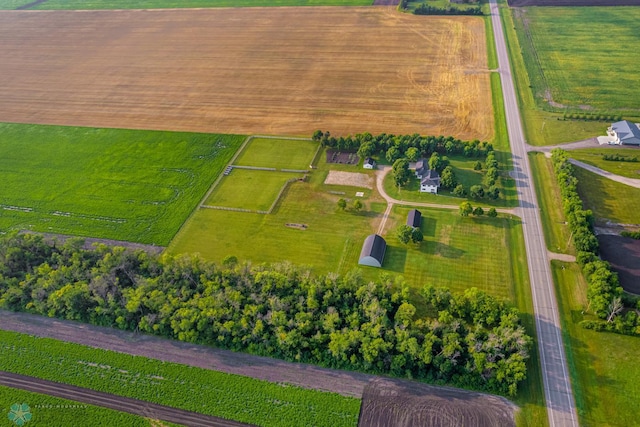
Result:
{"points": [[467, 209], [425, 9], [411, 147], [619, 158], [470, 339], [604, 293]]}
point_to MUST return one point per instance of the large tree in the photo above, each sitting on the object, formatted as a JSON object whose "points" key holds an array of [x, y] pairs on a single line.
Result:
{"points": [[448, 178], [400, 172]]}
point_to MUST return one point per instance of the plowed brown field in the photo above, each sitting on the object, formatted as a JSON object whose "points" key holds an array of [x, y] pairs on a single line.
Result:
{"points": [[253, 70]]}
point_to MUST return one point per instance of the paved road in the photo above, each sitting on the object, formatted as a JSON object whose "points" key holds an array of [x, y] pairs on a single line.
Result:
{"points": [[119, 403], [632, 182], [561, 408]]}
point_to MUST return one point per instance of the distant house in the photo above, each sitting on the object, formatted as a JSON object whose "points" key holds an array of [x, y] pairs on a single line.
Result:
{"points": [[369, 163], [373, 250], [429, 179], [413, 218], [624, 133]]}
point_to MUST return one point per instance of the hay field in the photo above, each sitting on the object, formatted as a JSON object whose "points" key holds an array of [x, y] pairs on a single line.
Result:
{"points": [[259, 70]]}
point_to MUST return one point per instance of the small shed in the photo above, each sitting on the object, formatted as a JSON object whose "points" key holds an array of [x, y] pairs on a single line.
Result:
{"points": [[413, 218], [373, 250], [369, 163]]}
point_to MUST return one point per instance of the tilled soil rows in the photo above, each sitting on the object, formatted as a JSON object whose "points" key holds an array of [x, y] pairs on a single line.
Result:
{"points": [[286, 71], [624, 255], [387, 402]]}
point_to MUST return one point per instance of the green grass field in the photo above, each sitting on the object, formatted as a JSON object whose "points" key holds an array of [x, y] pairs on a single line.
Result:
{"points": [[277, 153], [195, 389], [580, 54], [165, 4], [48, 411], [556, 232], [456, 253], [608, 199], [249, 189], [593, 156], [604, 368], [128, 185], [542, 127]]}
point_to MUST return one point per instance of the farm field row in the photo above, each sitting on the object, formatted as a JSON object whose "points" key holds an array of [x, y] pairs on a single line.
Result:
{"points": [[219, 394], [48, 411], [127, 185], [170, 4], [273, 71]]}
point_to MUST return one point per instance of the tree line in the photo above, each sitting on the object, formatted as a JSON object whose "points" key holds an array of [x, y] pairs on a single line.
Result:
{"points": [[616, 311], [425, 9], [468, 339]]}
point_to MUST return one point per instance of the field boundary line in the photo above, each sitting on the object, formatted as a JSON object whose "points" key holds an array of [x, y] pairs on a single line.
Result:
{"points": [[284, 187]]}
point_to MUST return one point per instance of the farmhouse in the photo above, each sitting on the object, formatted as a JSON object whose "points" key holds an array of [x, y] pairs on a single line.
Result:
{"points": [[624, 133], [429, 179], [369, 163], [373, 250], [413, 218]]}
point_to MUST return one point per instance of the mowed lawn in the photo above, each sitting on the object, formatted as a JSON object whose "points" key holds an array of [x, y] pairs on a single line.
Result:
{"points": [[594, 156], [604, 366], [457, 252], [585, 55], [249, 189], [331, 241], [609, 200], [277, 153], [161, 4], [131, 185]]}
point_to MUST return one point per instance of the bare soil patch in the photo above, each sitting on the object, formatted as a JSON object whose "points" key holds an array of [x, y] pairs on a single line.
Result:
{"points": [[89, 242], [387, 402], [352, 179], [286, 71], [342, 157], [624, 255], [524, 3]]}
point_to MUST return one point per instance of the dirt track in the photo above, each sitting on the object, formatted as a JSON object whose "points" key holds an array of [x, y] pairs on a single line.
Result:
{"points": [[112, 401], [286, 71], [524, 3]]}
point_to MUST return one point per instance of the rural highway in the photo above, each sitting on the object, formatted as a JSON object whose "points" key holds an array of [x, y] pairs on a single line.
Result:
{"points": [[561, 407]]}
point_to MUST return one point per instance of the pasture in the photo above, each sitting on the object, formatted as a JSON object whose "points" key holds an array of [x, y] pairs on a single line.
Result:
{"points": [[273, 71], [277, 153], [306, 227], [137, 186], [609, 200], [594, 156], [577, 57], [255, 190]]}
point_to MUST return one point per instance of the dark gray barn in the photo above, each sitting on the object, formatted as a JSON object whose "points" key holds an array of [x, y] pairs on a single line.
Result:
{"points": [[373, 250], [413, 218]]}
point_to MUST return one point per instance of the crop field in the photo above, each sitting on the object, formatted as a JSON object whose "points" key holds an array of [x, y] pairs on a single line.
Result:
{"points": [[577, 57], [277, 153], [47, 411], [254, 190], [457, 252], [219, 394], [163, 4], [137, 186], [282, 71], [593, 156], [609, 200]]}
